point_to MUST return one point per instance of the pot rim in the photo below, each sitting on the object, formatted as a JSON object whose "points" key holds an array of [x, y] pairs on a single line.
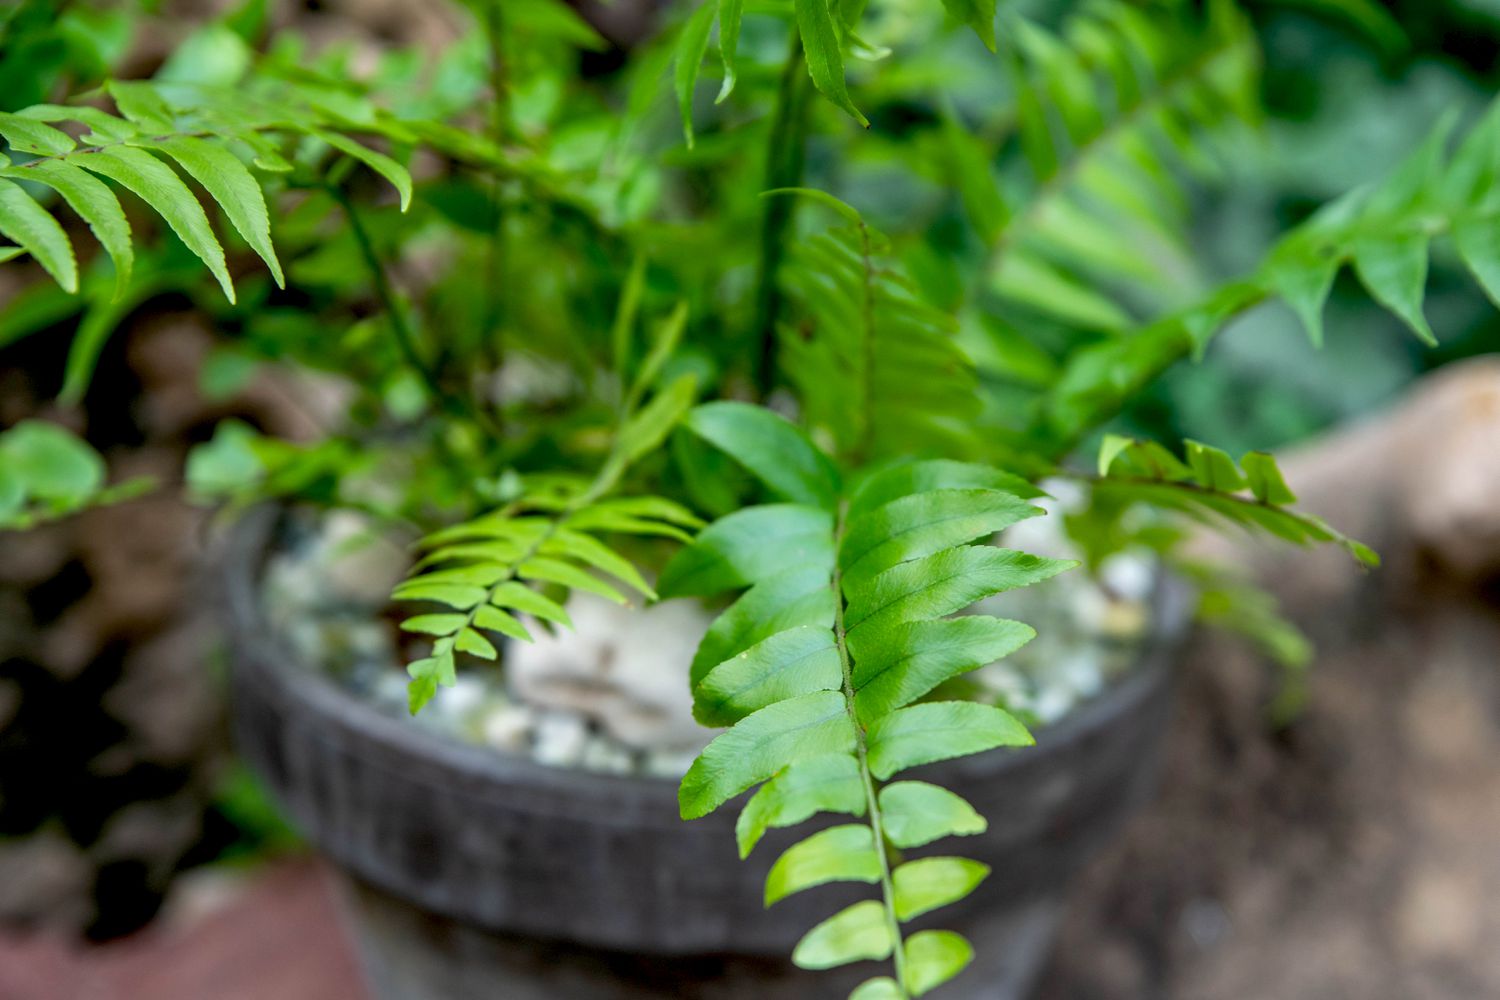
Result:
{"points": [[265, 656]]}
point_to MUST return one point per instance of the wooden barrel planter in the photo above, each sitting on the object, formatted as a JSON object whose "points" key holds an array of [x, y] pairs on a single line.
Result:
{"points": [[474, 874]]}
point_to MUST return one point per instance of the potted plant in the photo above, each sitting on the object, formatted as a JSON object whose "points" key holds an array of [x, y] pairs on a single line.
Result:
{"points": [[573, 354]]}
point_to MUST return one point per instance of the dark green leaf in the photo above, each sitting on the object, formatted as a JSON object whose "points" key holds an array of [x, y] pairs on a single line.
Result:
{"points": [[771, 447], [825, 56], [692, 44], [906, 661], [924, 523], [804, 788], [748, 546], [802, 595], [798, 661], [763, 743], [941, 584], [937, 731], [906, 478]]}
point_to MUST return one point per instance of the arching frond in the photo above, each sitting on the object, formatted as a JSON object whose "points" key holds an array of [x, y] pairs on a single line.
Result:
{"points": [[822, 668]]}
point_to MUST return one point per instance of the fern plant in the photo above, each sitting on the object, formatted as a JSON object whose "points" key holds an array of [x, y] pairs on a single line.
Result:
{"points": [[830, 427], [840, 627]]}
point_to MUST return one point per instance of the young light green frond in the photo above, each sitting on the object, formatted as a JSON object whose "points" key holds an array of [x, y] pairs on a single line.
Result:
{"points": [[933, 958], [914, 813], [838, 854], [1209, 486], [858, 932], [510, 562], [482, 569], [929, 883]]}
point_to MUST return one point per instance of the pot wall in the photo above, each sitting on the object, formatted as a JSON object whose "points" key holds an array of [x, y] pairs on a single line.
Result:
{"points": [[501, 852]]}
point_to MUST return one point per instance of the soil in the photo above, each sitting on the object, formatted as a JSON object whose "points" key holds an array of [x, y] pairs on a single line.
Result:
{"points": [[1354, 853]]}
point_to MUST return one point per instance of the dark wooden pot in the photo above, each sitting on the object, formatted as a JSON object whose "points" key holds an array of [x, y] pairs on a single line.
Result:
{"points": [[477, 874]]}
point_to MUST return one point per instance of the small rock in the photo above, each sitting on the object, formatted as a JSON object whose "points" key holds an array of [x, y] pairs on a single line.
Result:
{"points": [[668, 763], [623, 668], [44, 877], [507, 728], [560, 739], [607, 756], [1128, 575]]}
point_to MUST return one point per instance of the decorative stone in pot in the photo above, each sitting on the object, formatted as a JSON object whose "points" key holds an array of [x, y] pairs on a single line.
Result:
{"points": [[478, 874]]}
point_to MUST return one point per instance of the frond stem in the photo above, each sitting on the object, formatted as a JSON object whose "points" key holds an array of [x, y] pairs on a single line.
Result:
{"points": [[872, 799], [495, 265], [396, 318], [784, 166], [867, 368]]}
